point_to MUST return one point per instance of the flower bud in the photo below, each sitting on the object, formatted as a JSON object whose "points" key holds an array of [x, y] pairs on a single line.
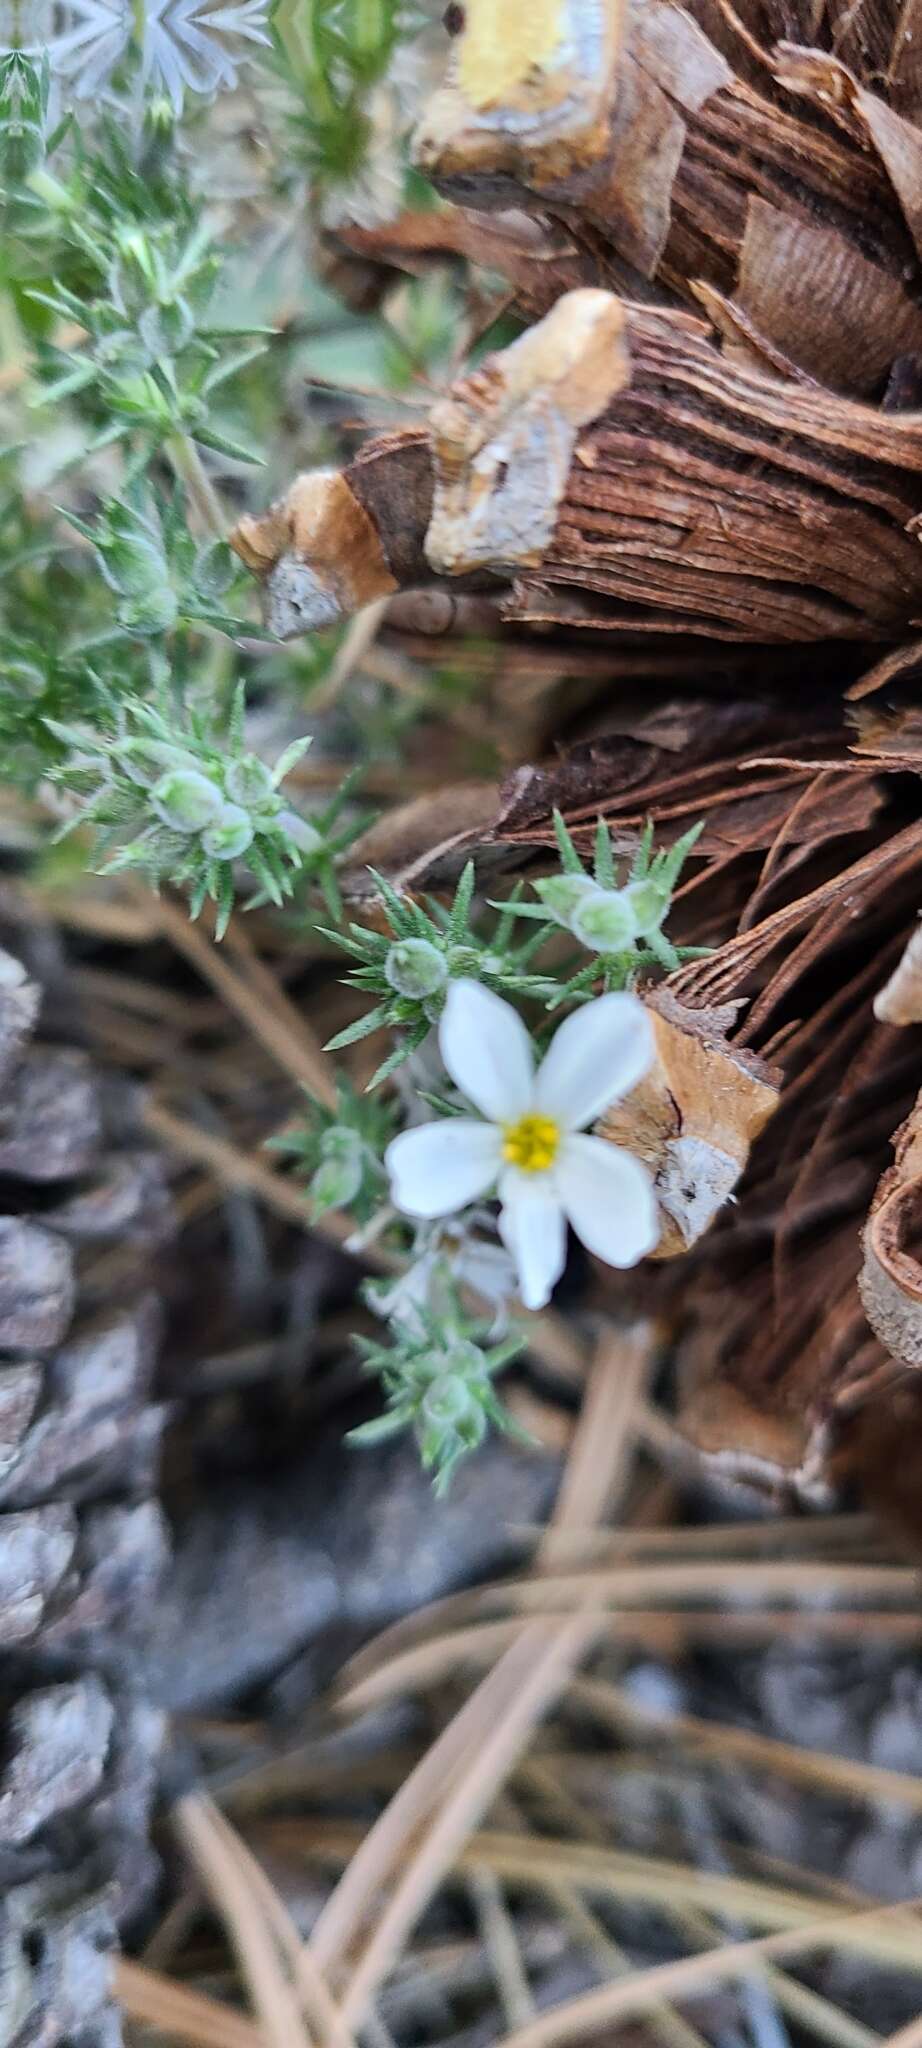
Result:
{"points": [[160, 115], [215, 569], [604, 922], [415, 968], [466, 1360], [470, 961], [131, 564], [561, 894], [340, 1141], [649, 904], [134, 566], [449, 1404], [339, 1176], [248, 781], [186, 800], [230, 834]]}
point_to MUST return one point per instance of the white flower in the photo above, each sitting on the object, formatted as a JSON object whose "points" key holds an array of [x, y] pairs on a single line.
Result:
{"points": [[531, 1145], [186, 45], [190, 44], [447, 1252], [488, 1269]]}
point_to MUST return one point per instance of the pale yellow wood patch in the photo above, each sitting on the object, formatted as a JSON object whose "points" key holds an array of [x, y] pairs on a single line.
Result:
{"points": [[505, 40]]}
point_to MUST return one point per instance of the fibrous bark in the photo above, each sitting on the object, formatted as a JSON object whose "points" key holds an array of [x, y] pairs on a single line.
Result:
{"points": [[693, 1118], [715, 152], [702, 497]]}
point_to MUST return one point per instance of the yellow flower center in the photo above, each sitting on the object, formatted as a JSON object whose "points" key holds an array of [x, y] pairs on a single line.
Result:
{"points": [[532, 1143]]}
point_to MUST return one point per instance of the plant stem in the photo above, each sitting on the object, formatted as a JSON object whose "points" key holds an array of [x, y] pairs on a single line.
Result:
{"points": [[14, 346], [188, 467]]}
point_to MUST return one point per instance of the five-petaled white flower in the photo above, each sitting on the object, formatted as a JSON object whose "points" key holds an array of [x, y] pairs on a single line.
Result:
{"points": [[532, 1146], [185, 45]]}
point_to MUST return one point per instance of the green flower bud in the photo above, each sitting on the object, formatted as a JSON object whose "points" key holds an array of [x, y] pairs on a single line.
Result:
{"points": [[215, 570], [604, 922], [415, 968], [230, 834], [186, 800], [466, 960], [160, 115], [649, 904], [467, 1361], [300, 831], [339, 1176], [561, 894], [22, 124], [248, 781], [131, 564], [340, 1141], [449, 1404], [134, 566]]}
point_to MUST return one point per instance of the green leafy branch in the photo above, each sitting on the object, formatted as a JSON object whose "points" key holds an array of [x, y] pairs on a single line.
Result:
{"points": [[408, 968], [439, 1383]]}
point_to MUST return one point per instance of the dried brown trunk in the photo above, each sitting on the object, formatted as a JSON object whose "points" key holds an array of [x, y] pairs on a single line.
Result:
{"points": [[705, 497], [703, 156]]}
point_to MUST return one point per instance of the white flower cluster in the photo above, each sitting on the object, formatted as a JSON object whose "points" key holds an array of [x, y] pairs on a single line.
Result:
{"points": [[529, 1143], [604, 920], [227, 819], [185, 46]]}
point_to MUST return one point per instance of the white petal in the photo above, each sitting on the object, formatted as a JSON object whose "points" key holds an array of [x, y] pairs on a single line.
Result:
{"points": [[533, 1228], [439, 1167], [487, 1051], [609, 1199], [596, 1057]]}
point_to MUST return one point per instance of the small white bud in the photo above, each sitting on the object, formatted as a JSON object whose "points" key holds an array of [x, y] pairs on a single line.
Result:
{"points": [[649, 904], [448, 1401], [186, 800], [415, 968], [230, 835], [339, 1176], [561, 894], [248, 781], [605, 922]]}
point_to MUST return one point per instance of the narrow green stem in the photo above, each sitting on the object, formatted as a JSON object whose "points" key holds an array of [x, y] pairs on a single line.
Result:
{"points": [[188, 467], [368, 27], [14, 348], [295, 30]]}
